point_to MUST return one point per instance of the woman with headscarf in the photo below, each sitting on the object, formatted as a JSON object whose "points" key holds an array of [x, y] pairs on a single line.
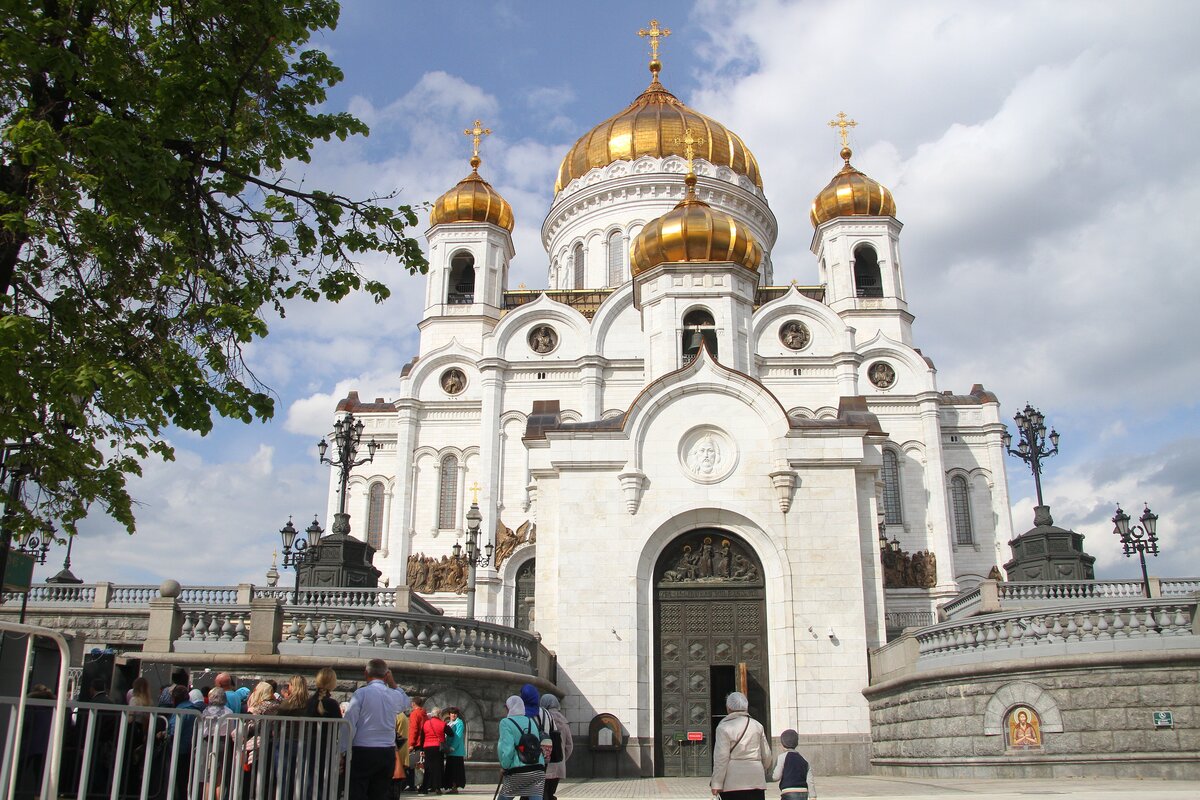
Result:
{"points": [[741, 754], [530, 697], [455, 776], [553, 720], [519, 779]]}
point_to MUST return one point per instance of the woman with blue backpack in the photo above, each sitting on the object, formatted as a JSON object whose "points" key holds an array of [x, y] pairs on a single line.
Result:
{"points": [[520, 750]]}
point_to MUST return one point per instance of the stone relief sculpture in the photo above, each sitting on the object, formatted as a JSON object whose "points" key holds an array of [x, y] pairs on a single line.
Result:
{"points": [[543, 339], [904, 571], [794, 335], [427, 574], [507, 541], [705, 456], [882, 375], [453, 381], [706, 561]]}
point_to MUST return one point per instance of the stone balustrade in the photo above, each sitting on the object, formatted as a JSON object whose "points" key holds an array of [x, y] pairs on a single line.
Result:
{"points": [[992, 596]]}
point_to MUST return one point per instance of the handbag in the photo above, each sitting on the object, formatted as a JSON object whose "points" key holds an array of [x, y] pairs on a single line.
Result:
{"points": [[556, 745], [401, 741]]}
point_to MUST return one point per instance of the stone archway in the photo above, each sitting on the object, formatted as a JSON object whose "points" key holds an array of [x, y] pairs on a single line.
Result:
{"points": [[710, 639]]}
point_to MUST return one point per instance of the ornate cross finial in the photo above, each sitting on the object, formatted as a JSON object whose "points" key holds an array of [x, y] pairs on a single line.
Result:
{"points": [[689, 143], [842, 122], [474, 489], [477, 133], [654, 33]]}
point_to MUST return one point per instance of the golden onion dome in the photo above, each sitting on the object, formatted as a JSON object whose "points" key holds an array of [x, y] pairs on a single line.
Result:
{"points": [[852, 194], [652, 126], [693, 231], [472, 200]]}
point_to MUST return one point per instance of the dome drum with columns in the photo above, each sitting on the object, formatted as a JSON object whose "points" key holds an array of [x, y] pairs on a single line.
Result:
{"points": [[683, 468]]}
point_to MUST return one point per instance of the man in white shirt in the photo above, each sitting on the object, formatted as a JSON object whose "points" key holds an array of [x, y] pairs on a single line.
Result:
{"points": [[372, 717]]}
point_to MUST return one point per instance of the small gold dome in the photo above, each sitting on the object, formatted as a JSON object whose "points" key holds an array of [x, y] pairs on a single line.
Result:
{"points": [[652, 126], [852, 194], [472, 200], [693, 231]]}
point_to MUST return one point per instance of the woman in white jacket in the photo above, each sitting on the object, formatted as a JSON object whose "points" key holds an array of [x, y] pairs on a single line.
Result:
{"points": [[741, 754]]}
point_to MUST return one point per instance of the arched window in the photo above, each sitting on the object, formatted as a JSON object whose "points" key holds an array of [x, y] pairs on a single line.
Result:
{"points": [[375, 515], [616, 258], [891, 488], [698, 328], [960, 506], [448, 493], [462, 280], [867, 279], [577, 266]]}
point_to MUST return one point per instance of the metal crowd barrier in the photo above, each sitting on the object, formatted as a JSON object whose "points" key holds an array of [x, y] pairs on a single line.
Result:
{"points": [[12, 768], [123, 752]]}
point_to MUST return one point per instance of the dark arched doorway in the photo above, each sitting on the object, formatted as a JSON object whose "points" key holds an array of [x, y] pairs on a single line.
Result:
{"points": [[710, 639], [524, 595]]}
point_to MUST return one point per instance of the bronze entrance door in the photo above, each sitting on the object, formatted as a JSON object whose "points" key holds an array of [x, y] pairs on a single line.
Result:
{"points": [[710, 640]]}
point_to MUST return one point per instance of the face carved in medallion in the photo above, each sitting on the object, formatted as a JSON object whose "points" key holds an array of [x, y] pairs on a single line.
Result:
{"points": [[707, 455], [882, 375], [453, 381], [794, 335], [543, 339]]}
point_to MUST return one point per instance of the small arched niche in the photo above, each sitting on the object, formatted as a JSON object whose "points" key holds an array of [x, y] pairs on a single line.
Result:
{"points": [[868, 281], [461, 291], [699, 328]]}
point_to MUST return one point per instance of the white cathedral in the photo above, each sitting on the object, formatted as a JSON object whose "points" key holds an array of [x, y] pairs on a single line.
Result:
{"points": [[694, 479]]}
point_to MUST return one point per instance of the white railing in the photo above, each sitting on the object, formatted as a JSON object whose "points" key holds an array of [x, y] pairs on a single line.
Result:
{"points": [[990, 634], [56, 594], [132, 595], [202, 625], [380, 597], [992, 596], [1176, 587], [118, 751], [1068, 590], [209, 595]]}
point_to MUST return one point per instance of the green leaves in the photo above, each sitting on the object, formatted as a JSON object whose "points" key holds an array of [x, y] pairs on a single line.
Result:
{"points": [[147, 224]]}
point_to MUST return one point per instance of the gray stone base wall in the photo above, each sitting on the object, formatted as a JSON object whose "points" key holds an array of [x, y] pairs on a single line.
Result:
{"points": [[834, 755], [944, 723]]}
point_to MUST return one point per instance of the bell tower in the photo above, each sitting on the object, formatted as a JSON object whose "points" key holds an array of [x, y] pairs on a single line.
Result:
{"points": [[857, 244]]}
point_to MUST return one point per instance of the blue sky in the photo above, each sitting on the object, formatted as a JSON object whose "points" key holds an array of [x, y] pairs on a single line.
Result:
{"points": [[1042, 160]]}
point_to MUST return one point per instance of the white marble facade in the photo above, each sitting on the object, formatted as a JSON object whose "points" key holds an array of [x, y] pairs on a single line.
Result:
{"points": [[781, 438]]}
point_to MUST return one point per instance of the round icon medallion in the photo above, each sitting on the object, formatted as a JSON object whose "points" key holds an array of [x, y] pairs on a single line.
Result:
{"points": [[795, 335], [707, 454], [453, 381], [543, 339], [882, 375]]}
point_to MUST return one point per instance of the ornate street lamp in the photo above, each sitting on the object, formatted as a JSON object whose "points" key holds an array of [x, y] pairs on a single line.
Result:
{"points": [[1031, 425], [473, 557], [347, 435], [296, 550], [1140, 539], [36, 548]]}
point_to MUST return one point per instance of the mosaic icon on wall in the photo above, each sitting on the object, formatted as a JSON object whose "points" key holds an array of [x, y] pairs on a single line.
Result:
{"points": [[453, 381], [1023, 729], [707, 454], [794, 335], [882, 375], [543, 339]]}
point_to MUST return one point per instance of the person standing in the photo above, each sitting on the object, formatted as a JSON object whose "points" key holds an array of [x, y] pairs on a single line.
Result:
{"points": [[416, 721], [372, 717], [179, 677], [524, 770], [455, 776], [235, 698], [400, 773], [793, 771], [551, 721], [433, 733], [741, 754]]}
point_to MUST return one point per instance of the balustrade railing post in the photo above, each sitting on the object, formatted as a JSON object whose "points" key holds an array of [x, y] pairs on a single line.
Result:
{"points": [[989, 597], [104, 592], [165, 622], [245, 593], [1155, 587], [266, 625]]}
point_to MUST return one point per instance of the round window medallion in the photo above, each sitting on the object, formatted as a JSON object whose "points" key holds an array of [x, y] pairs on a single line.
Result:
{"points": [[543, 339], [794, 335], [453, 381], [707, 454], [882, 375]]}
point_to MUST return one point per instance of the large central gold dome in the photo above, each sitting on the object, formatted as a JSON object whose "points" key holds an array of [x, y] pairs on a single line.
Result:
{"points": [[653, 125]]}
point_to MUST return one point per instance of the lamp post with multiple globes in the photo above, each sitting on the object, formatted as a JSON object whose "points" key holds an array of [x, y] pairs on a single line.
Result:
{"points": [[297, 551], [1140, 539], [1031, 425], [474, 558]]}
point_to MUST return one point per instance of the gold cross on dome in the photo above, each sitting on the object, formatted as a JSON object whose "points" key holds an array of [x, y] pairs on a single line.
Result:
{"points": [[689, 143], [476, 134], [655, 33], [474, 489], [842, 122]]}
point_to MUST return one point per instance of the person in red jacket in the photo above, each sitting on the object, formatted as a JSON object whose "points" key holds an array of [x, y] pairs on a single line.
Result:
{"points": [[416, 720], [433, 733]]}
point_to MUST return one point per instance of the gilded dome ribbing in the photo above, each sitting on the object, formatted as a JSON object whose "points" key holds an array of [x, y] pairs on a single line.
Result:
{"points": [[472, 200], [852, 194], [694, 231], [652, 126]]}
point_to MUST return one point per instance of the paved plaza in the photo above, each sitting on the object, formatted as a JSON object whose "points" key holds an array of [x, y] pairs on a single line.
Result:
{"points": [[864, 786]]}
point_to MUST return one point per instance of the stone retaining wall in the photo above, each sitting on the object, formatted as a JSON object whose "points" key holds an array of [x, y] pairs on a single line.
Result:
{"points": [[1096, 711]]}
